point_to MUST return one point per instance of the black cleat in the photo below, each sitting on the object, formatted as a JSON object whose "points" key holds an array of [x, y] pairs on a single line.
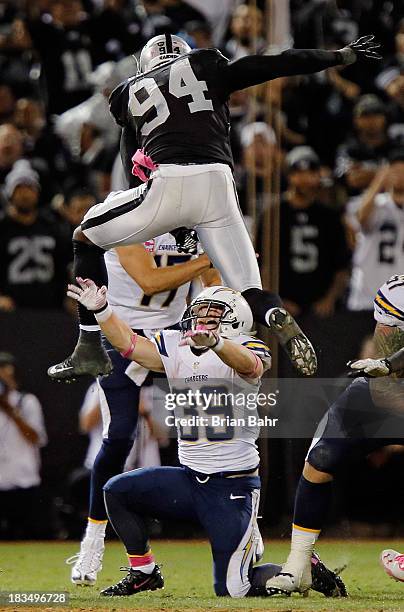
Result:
{"points": [[88, 358], [297, 346], [134, 582], [326, 581]]}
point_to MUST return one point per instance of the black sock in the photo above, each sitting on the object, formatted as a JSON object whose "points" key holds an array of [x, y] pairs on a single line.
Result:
{"points": [[260, 302], [89, 263], [129, 527], [109, 462], [311, 504]]}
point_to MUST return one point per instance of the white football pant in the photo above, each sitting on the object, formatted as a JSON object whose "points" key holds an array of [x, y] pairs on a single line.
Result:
{"points": [[199, 196]]}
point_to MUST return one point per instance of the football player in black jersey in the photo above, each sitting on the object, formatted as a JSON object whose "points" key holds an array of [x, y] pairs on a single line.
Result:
{"points": [[175, 113]]}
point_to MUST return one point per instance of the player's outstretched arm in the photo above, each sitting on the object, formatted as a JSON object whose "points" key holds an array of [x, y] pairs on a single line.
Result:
{"points": [[120, 335], [241, 359], [378, 367], [256, 69], [140, 265]]}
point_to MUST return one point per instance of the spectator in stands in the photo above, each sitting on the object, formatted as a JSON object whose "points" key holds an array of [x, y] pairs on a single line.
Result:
{"points": [[247, 26], [180, 12], [22, 434], [11, 148], [379, 251], [359, 157], [17, 62], [7, 102], [33, 255], [76, 203], [62, 40], [260, 156], [44, 149], [200, 34], [392, 82], [314, 258], [114, 30]]}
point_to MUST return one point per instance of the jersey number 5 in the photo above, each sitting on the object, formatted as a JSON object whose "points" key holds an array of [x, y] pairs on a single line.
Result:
{"points": [[182, 82]]}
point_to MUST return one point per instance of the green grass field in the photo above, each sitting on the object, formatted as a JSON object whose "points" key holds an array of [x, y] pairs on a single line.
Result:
{"points": [[187, 572]]}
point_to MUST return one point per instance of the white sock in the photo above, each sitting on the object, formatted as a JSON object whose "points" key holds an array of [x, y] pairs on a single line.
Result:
{"points": [[95, 529], [136, 561], [303, 542], [147, 569]]}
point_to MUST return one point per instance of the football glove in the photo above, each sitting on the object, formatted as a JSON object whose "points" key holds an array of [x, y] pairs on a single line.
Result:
{"points": [[92, 297], [364, 47], [186, 239], [202, 338], [370, 367]]}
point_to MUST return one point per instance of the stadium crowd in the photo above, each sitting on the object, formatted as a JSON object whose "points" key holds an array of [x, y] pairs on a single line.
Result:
{"points": [[339, 143]]}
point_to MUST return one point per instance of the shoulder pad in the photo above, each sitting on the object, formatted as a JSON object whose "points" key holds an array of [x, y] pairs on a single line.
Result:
{"points": [[389, 302]]}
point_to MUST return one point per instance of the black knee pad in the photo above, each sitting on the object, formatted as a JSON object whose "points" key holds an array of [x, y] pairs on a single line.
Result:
{"points": [[326, 456]]}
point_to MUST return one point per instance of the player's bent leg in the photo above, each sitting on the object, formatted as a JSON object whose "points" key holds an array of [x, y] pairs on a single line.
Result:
{"points": [[231, 251], [227, 509], [119, 399], [89, 356], [131, 498], [312, 500], [125, 217]]}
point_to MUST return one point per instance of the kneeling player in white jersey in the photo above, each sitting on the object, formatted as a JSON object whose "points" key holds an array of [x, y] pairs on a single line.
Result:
{"points": [[148, 289], [217, 483], [367, 416]]}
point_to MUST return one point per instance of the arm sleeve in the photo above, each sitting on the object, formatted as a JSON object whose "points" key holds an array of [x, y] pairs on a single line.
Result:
{"points": [[256, 69], [118, 103], [128, 147]]}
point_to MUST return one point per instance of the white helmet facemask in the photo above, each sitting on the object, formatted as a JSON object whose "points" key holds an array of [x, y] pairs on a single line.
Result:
{"points": [[235, 314]]}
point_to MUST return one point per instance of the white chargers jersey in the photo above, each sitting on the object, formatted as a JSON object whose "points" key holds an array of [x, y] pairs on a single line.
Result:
{"points": [[379, 253], [389, 302], [203, 447], [127, 298]]}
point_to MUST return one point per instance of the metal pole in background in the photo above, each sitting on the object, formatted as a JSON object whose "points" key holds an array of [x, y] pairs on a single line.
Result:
{"points": [[251, 175], [269, 263]]}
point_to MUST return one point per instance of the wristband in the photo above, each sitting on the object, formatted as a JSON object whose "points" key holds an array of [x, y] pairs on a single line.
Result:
{"points": [[131, 348], [254, 372], [219, 345], [103, 315], [388, 364]]}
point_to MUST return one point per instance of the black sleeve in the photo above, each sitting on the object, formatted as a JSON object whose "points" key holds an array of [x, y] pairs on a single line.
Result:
{"points": [[128, 147], [256, 69], [118, 103]]}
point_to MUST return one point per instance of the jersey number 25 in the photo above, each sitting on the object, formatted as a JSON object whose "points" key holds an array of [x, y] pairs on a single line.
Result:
{"points": [[182, 82]]}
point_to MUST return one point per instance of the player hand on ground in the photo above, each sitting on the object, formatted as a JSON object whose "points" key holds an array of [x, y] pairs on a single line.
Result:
{"points": [[364, 47], [88, 294], [370, 367], [200, 338]]}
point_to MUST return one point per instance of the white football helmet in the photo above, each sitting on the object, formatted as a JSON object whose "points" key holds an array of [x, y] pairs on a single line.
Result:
{"points": [[160, 50], [235, 319]]}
